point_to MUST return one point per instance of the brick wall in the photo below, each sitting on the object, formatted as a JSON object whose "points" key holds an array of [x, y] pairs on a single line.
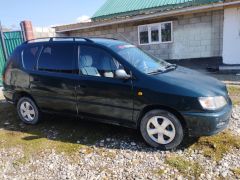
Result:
{"points": [[194, 36]]}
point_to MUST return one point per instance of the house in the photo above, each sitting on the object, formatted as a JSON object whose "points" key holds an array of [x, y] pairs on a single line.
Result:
{"points": [[203, 30]]}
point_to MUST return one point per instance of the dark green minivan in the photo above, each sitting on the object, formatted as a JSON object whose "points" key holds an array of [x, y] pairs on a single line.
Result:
{"points": [[114, 82]]}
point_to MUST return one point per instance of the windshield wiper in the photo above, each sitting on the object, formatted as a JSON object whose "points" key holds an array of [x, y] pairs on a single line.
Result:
{"points": [[156, 71], [170, 67]]}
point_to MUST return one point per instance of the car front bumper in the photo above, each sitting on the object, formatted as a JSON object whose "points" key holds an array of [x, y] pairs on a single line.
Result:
{"points": [[207, 123]]}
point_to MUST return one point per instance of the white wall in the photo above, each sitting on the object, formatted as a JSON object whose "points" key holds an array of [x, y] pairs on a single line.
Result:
{"points": [[41, 32], [231, 36]]}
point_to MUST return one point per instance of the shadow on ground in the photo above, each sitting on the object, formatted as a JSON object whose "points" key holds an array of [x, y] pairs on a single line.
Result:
{"points": [[70, 130]]}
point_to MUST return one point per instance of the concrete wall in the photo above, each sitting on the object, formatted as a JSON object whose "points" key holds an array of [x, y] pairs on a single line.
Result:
{"points": [[231, 36], [199, 35], [194, 36]]}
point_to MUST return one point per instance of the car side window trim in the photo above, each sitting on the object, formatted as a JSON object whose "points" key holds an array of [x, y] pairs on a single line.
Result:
{"points": [[23, 64], [36, 67], [78, 59]]}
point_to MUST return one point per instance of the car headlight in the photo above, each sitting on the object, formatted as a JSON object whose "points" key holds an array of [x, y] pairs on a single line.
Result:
{"points": [[212, 103]]}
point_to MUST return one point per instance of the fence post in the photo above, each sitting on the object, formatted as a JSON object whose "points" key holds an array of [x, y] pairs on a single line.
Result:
{"points": [[23, 31], [3, 42]]}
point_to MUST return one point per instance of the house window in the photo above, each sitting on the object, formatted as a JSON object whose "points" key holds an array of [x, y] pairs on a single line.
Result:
{"points": [[166, 32], [154, 30], [143, 33], [155, 33]]}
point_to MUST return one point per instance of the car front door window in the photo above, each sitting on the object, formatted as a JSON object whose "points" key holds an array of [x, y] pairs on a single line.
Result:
{"points": [[96, 62]]}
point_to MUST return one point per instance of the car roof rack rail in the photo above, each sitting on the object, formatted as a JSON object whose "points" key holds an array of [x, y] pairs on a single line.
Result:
{"points": [[52, 39], [95, 37]]}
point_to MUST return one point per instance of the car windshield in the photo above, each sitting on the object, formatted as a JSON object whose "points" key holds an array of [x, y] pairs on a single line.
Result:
{"points": [[144, 62]]}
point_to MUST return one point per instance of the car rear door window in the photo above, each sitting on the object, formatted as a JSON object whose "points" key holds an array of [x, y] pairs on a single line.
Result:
{"points": [[57, 58], [29, 57]]}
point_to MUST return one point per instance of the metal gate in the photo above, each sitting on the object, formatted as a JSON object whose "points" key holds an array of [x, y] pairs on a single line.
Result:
{"points": [[9, 41]]}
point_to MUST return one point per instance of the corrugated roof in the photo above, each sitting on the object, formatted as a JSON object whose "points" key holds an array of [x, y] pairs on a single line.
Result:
{"points": [[123, 7]]}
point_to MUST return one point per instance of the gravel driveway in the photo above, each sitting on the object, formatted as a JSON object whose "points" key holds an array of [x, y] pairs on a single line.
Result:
{"points": [[56, 149]]}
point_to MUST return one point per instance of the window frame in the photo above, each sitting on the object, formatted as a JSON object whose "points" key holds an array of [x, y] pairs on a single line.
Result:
{"points": [[139, 39], [159, 25]]}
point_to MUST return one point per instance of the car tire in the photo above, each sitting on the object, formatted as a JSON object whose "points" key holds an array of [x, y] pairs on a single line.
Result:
{"points": [[27, 110], [161, 129]]}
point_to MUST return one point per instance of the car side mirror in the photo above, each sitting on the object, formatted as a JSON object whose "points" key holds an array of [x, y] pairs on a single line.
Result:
{"points": [[121, 74]]}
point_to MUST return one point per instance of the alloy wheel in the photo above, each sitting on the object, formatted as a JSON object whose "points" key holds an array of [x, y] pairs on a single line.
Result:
{"points": [[161, 130], [27, 111]]}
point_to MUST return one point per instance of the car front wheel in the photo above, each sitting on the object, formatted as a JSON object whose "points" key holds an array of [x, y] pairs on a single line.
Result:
{"points": [[27, 110], [161, 129]]}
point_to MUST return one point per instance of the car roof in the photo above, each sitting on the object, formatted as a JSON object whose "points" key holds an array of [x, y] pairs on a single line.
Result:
{"points": [[94, 40], [108, 42]]}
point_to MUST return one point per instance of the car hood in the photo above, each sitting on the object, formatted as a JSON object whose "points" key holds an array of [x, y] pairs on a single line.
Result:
{"points": [[189, 82]]}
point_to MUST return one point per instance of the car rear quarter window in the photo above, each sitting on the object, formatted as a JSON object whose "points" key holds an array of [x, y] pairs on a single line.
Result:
{"points": [[29, 57], [57, 58]]}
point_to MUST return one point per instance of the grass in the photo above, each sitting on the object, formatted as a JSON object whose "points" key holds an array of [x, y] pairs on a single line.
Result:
{"points": [[234, 92], [236, 172], [33, 145], [21, 161], [159, 172], [185, 167], [218, 145]]}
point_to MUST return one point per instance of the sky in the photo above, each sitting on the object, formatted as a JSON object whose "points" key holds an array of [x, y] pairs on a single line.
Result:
{"points": [[45, 13]]}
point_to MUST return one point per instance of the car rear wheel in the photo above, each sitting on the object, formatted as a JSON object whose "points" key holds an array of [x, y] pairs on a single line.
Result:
{"points": [[28, 111], [161, 129]]}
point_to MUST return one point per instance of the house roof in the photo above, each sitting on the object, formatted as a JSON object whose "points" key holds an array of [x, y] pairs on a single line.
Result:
{"points": [[150, 13], [113, 8]]}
